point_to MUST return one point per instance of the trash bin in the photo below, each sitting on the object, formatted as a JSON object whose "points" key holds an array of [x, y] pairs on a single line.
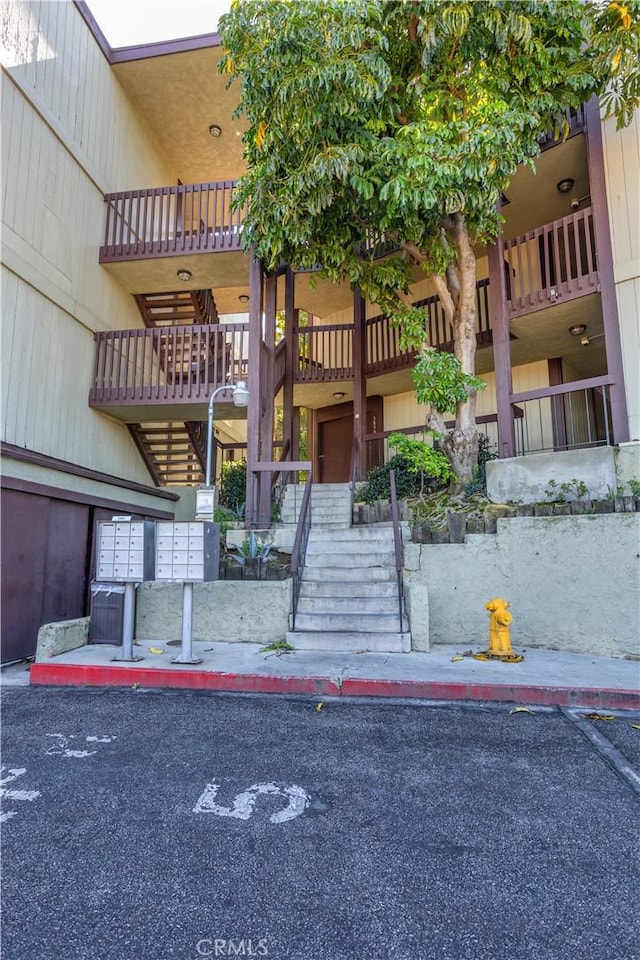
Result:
{"points": [[106, 614]]}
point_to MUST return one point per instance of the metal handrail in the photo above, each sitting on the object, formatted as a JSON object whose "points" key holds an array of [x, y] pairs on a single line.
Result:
{"points": [[299, 552], [397, 543]]}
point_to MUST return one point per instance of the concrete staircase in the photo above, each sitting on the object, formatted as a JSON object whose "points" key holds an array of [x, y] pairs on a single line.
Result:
{"points": [[330, 505], [349, 590]]}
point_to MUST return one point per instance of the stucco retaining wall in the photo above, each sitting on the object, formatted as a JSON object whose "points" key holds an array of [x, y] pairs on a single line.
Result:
{"points": [[525, 479], [227, 610], [573, 584]]}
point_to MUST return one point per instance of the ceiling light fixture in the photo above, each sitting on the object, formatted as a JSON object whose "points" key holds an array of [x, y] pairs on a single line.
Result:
{"points": [[216, 131], [339, 394], [184, 275], [566, 185], [578, 329], [243, 298]]}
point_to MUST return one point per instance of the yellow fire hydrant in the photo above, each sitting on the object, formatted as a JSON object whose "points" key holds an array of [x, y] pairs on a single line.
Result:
{"points": [[499, 635]]}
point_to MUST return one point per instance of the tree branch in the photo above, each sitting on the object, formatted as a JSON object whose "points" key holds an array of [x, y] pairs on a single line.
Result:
{"points": [[446, 299]]}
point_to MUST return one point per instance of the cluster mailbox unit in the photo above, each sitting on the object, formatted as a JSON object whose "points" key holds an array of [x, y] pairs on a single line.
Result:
{"points": [[125, 551], [131, 552], [187, 552], [125, 554]]}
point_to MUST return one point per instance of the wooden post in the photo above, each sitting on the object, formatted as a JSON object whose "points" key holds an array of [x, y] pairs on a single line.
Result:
{"points": [[267, 391], [558, 422], [290, 360], [613, 347], [359, 383], [501, 350], [253, 412]]}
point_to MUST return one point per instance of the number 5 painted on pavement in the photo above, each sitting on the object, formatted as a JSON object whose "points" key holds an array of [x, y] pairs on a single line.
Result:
{"points": [[244, 803]]}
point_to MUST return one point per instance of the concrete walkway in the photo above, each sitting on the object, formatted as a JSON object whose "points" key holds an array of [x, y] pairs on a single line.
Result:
{"points": [[543, 677]]}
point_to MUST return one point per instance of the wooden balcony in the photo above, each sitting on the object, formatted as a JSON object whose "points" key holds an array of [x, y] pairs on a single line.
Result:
{"points": [[171, 221], [140, 374], [552, 263], [325, 351]]}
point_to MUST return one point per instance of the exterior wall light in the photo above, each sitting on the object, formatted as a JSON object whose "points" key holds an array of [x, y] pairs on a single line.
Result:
{"points": [[205, 499], [184, 275]]}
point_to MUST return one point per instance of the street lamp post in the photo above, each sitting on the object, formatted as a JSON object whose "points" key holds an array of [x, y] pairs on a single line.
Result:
{"points": [[240, 396]]}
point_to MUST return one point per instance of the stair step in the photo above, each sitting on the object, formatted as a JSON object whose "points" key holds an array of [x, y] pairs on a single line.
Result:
{"points": [[350, 642], [355, 534], [358, 606], [348, 558], [350, 574], [333, 589], [370, 548], [349, 622]]}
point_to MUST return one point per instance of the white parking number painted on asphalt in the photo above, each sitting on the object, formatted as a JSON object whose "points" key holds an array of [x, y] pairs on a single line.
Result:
{"points": [[61, 741], [8, 777], [244, 803]]}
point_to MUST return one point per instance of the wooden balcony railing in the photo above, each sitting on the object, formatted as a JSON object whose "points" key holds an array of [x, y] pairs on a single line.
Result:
{"points": [[554, 262], [167, 364], [169, 221]]}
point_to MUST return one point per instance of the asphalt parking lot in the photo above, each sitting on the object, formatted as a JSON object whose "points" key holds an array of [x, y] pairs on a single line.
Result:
{"points": [[154, 825]]}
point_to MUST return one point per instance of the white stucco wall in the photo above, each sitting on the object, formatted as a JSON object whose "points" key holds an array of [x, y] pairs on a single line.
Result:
{"points": [[573, 584]]}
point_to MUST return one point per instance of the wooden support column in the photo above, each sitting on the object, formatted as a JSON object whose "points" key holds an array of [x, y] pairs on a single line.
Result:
{"points": [[253, 412], [267, 391], [501, 350], [359, 383], [558, 421], [604, 252], [290, 321]]}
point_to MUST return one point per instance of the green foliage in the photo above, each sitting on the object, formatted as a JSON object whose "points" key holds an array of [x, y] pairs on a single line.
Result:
{"points": [[233, 487], [408, 482], [558, 492], [252, 548], [423, 460], [634, 486], [439, 380], [224, 517], [371, 120], [485, 453]]}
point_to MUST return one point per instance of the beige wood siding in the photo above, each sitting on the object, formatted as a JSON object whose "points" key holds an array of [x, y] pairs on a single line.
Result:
{"points": [[69, 135], [403, 410]]}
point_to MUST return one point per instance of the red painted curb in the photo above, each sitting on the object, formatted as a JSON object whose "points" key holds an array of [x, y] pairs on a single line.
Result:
{"points": [[77, 675]]}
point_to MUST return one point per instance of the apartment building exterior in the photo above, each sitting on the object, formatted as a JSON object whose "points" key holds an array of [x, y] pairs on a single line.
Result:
{"points": [[127, 299]]}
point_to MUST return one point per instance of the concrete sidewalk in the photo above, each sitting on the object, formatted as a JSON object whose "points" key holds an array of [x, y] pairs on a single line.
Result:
{"points": [[543, 677]]}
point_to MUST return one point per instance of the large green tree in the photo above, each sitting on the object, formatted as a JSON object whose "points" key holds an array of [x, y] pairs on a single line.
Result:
{"points": [[377, 122]]}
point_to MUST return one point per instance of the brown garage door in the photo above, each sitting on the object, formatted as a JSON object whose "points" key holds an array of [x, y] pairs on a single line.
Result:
{"points": [[45, 547]]}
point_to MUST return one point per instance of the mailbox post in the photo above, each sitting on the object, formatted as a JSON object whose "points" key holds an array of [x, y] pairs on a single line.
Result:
{"points": [[187, 553]]}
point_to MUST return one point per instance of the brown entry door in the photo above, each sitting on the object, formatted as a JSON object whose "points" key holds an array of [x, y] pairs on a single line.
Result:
{"points": [[335, 439]]}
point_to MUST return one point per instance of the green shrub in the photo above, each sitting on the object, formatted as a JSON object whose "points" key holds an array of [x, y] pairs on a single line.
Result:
{"points": [[233, 487], [485, 453], [377, 481]]}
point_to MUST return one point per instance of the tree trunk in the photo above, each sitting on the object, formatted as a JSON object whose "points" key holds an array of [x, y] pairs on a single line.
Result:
{"points": [[457, 292]]}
